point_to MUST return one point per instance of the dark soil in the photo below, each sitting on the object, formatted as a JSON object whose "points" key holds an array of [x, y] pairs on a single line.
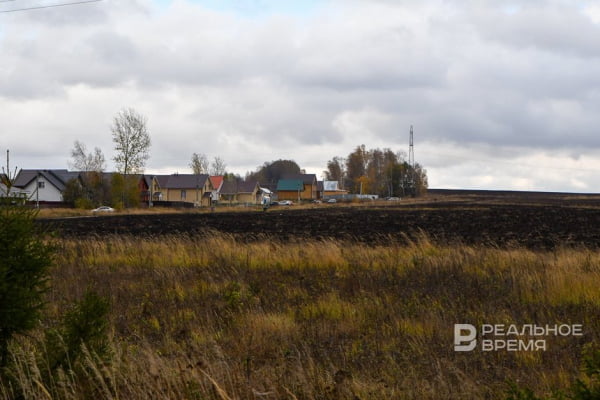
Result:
{"points": [[480, 218]]}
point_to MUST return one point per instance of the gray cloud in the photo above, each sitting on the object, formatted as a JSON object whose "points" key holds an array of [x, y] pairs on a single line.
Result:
{"points": [[521, 76], [560, 29]]}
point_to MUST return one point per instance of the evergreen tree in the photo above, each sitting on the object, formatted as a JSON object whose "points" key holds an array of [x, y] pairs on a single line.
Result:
{"points": [[24, 265]]}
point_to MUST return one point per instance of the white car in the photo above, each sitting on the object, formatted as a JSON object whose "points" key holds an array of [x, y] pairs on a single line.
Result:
{"points": [[103, 209], [332, 201], [285, 203]]}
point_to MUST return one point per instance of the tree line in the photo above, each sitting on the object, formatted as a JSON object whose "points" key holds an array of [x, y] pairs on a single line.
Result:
{"points": [[376, 171], [365, 171]]}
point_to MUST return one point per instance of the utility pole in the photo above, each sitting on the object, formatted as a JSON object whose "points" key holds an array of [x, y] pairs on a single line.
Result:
{"points": [[9, 176], [411, 162], [150, 204], [391, 185], [197, 189], [37, 190]]}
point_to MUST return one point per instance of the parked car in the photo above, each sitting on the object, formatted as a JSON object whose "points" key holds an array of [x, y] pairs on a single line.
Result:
{"points": [[285, 203], [316, 202], [332, 201], [393, 199], [103, 209]]}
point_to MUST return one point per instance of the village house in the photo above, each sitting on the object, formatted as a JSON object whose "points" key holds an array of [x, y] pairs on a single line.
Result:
{"points": [[184, 188], [297, 187], [244, 192], [249, 192], [289, 189], [217, 183], [148, 186], [45, 185], [228, 192]]}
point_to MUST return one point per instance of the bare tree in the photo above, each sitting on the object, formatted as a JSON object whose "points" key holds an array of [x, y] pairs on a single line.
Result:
{"points": [[199, 164], [87, 162], [132, 141], [218, 166]]}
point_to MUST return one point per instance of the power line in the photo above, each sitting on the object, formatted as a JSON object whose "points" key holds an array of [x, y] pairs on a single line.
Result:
{"points": [[48, 6], [6, 1]]}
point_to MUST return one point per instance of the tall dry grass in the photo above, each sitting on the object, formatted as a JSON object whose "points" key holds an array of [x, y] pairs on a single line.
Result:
{"points": [[214, 318]]}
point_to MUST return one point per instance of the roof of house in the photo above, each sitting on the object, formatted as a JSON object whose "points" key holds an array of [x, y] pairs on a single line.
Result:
{"points": [[290, 184], [147, 180], [162, 180], [57, 177], [307, 179], [248, 186], [270, 186], [235, 187], [181, 181], [217, 181], [229, 188]]}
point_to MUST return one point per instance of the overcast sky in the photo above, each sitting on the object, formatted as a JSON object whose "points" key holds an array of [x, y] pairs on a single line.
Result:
{"points": [[501, 94]]}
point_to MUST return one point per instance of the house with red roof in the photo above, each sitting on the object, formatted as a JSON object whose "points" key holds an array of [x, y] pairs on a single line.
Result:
{"points": [[217, 183]]}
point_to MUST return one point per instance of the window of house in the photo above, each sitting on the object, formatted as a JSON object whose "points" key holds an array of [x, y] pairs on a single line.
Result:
{"points": [[41, 185], [183, 195]]}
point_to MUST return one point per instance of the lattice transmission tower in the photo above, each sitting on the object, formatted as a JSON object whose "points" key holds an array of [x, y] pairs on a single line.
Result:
{"points": [[411, 150]]}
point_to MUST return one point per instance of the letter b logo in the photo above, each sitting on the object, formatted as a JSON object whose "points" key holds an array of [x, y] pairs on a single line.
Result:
{"points": [[460, 338]]}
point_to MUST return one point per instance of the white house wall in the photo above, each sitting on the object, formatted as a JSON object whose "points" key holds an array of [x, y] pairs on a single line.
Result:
{"points": [[48, 193]]}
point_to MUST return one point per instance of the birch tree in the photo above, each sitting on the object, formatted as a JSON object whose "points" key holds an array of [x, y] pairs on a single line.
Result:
{"points": [[132, 141]]}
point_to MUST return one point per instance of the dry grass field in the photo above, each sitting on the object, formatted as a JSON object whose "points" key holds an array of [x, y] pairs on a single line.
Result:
{"points": [[213, 317]]}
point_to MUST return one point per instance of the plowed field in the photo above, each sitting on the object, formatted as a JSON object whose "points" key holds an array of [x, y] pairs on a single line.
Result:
{"points": [[534, 220]]}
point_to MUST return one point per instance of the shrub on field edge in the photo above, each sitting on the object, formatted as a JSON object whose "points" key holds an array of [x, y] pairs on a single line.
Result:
{"points": [[86, 325], [24, 266]]}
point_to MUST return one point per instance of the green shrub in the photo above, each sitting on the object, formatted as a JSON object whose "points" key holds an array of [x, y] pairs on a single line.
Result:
{"points": [[86, 324], [83, 203], [25, 259]]}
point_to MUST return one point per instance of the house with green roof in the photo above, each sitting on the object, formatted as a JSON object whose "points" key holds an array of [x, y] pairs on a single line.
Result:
{"points": [[290, 189], [308, 189]]}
